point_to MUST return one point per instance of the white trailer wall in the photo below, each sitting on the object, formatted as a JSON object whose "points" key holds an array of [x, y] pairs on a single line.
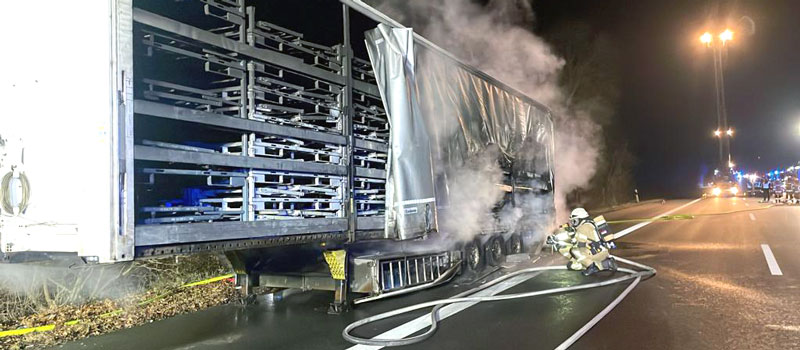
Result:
{"points": [[60, 88]]}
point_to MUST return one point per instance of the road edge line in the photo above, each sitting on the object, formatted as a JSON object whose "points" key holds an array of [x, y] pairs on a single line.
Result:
{"points": [[774, 269], [633, 228]]}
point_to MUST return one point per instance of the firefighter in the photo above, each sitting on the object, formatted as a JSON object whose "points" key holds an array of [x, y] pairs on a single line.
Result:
{"points": [[791, 189], [582, 243]]}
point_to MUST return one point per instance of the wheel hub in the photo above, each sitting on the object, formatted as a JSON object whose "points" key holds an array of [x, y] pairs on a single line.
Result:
{"points": [[497, 249], [474, 256]]}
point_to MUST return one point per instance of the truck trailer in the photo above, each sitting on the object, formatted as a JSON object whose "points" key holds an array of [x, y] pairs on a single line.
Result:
{"points": [[289, 135]]}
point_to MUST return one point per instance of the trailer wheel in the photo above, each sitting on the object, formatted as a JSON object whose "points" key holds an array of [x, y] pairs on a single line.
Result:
{"points": [[514, 245], [473, 255], [495, 251]]}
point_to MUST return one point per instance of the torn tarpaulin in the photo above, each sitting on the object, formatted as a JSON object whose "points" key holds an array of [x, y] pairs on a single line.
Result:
{"points": [[443, 115]]}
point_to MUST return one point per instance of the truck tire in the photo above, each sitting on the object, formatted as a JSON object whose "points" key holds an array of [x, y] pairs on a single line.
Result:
{"points": [[514, 245], [473, 255], [495, 251]]}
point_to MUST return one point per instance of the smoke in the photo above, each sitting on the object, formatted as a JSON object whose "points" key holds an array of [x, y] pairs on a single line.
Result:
{"points": [[64, 280], [496, 38], [472, 194], [577, 151], [68, 282]]}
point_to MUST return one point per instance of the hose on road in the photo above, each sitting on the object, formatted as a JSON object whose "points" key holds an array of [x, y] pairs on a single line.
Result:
{"points": [[464, 297]]}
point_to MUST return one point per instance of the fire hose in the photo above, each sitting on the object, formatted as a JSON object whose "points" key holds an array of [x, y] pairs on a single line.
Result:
{"points": [[465, 297]]}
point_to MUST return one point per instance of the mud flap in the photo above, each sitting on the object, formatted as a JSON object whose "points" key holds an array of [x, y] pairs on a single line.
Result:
{"points": [[337, 264]]}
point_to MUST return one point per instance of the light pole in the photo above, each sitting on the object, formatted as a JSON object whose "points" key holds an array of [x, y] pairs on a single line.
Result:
{"points": [[727, 135], [718, 45]]}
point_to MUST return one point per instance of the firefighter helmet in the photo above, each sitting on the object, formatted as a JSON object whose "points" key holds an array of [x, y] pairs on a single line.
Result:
{"points": [[578, 215]]}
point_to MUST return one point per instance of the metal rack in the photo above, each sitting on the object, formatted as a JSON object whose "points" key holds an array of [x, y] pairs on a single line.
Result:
{"points": [[404, 272], [253, 117], [389, 273], [223, 200]]}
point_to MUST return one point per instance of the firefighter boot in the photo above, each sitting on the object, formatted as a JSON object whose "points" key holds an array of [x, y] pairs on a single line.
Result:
{"points": [[610, 264], [590, 270]]}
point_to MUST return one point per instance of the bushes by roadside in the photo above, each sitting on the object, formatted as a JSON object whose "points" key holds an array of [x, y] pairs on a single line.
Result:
{"points": [[91, 300]]}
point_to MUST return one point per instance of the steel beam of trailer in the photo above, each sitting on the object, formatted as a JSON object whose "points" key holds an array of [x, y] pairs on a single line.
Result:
{"points": [[237, 244], [207, 37], [370, 172], [178, 156], [371, 223], [151, 235], [371, 146], [240, 124], [347, 107]]}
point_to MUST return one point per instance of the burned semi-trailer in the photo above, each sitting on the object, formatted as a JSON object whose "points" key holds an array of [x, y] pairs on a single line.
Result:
{"points": [[289, 135]]}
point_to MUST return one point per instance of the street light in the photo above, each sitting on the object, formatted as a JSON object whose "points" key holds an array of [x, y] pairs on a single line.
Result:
{"points": [[706, 38], [718, 45], [726, 36], [731, 165]]}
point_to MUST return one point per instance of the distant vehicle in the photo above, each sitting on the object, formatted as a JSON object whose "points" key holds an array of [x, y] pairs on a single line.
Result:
{"points": [[724, 189], [755, 189]]}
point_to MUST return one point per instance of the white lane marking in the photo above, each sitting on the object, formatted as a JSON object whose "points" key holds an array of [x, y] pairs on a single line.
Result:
{"points": [[774, 269], [752, 217], [781, 327], [643, 224], [424, 321]]}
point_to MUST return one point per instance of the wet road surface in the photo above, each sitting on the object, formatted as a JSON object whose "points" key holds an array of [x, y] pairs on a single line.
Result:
{"points": [[715, 289]]}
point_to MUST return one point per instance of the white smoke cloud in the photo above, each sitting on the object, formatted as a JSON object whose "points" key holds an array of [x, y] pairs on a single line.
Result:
{"points": [[60, 283], [472, 194], [496, 38], [70, 281]]}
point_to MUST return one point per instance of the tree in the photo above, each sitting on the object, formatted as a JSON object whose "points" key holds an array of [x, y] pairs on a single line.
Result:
{"points": [[590, 82]]}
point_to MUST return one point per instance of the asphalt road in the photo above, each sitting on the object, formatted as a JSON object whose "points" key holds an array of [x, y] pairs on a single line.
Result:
{"points": [[714, 289]]}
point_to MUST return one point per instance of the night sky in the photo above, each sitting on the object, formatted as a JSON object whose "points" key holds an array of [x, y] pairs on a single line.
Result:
{"points": [[666, 107], [667, 89]]}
